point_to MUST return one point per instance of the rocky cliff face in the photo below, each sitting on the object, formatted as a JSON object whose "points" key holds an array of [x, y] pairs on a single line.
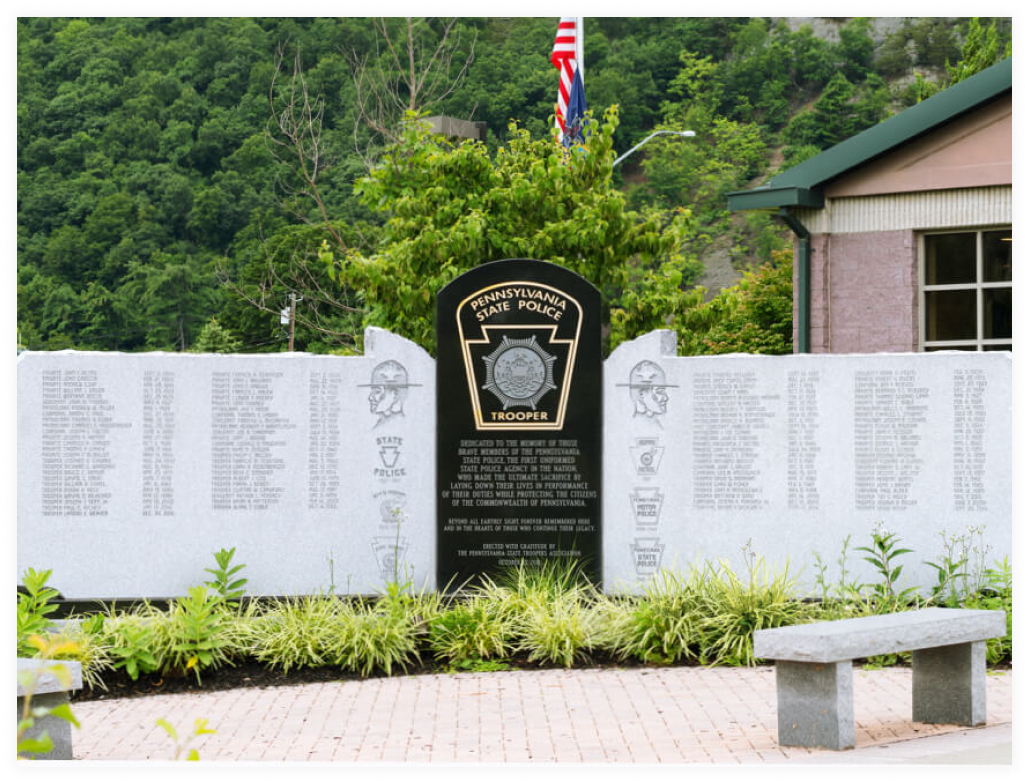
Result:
{"points": [[828, 27]]}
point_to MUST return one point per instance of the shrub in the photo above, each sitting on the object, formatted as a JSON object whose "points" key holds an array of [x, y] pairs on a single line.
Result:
{"points": [[470, 630], [33, 608], [293, 633], [661, 626], [559, 631], [88, 646], [996, 596], [193, 635], [366, 638], [131, 642], [729, 610]]}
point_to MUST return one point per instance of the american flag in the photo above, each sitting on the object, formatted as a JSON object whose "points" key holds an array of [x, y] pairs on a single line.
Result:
{"points": [[565, 59]]}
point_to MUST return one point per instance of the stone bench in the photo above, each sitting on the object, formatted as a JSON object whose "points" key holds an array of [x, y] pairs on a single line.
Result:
{"points": [[814, 669], [49, 693]]}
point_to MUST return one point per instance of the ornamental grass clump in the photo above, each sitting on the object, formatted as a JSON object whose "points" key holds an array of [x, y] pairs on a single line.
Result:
{"points": [[293, 632], [526, 584], [542, 610], [660, 627], [383, 634], [562, 630], [366, 638], [87, 644], [729, 610], [471, 629]]}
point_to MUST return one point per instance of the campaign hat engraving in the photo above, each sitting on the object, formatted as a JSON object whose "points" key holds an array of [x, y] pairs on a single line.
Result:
{"points": [[389, 387]]}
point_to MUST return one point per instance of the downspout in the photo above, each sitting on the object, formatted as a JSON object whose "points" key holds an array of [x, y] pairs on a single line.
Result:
{"points": [[803, 294]]}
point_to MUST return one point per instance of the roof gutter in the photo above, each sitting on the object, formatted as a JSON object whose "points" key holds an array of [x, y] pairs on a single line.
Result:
{"points": [[765, 198], [803, 294]]}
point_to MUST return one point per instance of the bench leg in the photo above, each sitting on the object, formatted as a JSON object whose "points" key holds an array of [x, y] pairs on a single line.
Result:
{"points": [[949, 684], [815, 704]]}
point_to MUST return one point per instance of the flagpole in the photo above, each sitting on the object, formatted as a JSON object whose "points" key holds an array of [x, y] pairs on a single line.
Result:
{"points": [[580, 35]]}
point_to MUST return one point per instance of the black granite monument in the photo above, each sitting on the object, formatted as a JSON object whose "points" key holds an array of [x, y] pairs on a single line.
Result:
{"points": [[518, 420]]}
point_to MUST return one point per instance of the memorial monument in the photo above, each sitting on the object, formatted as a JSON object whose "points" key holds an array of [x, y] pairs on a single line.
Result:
{"points": [[518, 420], [517, 445]]}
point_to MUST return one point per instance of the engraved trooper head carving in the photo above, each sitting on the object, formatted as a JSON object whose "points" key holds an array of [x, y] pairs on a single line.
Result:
{"points": [[388, 390], [647, 389]]}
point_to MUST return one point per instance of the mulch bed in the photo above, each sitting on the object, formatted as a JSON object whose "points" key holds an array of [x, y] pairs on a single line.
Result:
{"points": [[251, 674]]}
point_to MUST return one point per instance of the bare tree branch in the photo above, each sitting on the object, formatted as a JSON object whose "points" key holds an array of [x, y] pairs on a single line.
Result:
{"points": [[295, 135], [411, 70]]}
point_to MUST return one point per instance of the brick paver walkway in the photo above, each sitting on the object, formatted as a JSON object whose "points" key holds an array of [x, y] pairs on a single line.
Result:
{"points": [[666, 715]]}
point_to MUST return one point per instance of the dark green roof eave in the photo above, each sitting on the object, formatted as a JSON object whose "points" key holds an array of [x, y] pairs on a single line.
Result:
{"points": [[769, 198], [808, 177]]}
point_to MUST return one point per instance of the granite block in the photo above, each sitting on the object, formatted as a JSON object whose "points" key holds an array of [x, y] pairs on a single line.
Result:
{"points": [[853, 638]]}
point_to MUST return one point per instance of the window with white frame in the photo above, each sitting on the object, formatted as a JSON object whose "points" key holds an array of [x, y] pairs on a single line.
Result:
{"points": [[966, 291]]}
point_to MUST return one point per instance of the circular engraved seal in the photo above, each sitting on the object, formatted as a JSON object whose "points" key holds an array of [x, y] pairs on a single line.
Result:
{"points": [[519, 372]]}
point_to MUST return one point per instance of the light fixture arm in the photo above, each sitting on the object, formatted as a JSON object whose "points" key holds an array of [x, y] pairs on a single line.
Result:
{"points": [[625, 155]]}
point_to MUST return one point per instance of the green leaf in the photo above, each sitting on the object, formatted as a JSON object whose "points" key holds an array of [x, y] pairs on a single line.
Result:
{"points": [[63, 711], [168, 728], [40, 745]]}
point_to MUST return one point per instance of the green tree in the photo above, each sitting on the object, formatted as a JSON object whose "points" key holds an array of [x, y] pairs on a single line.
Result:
{"points": [[855, 49], [454, 207], [215, 339], [753, 317], [833, 112], [980, 50]]}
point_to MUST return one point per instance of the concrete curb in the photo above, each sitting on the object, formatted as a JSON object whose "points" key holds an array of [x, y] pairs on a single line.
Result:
{"points": [[982, 746]]}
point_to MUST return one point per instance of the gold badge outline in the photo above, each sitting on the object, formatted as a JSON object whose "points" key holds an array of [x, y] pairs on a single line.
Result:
{"points": [[566, 382]]}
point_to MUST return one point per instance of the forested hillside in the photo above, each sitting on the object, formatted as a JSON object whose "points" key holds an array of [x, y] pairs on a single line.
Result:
{"points": [[174, 171]]}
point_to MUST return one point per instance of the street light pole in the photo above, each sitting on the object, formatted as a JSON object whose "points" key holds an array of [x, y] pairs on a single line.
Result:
{"points": [[623, 156]]}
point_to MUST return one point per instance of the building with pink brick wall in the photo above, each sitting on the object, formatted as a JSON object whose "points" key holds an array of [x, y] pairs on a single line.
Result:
{"points": [[903, 233]]}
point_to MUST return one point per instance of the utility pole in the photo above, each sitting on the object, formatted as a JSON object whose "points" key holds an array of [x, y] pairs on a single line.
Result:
{"points": [[289, 314], [292, 317]]}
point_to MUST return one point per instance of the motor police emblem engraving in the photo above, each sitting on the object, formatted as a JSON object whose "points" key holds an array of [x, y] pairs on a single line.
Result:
{"points": [[519, 340]]}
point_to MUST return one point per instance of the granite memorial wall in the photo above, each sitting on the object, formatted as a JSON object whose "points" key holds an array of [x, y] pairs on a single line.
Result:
{"points": [[727, 457], [134, 468], [321, 471]]}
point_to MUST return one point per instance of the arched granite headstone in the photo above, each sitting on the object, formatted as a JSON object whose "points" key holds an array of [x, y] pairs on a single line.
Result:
{"points": [[519, 420]]}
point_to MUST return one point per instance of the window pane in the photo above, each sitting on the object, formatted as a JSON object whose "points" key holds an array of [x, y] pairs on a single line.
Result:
{"points": [[949, 258], [949, 348], [996, 313], [997, 255], [950, 315], [997, 348]]}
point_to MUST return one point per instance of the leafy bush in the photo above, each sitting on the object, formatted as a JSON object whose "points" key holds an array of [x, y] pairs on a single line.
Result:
{"points": [[229, 589], [33, 608], [193, 635], [470, 630], [561, 631], [131, 640], [730, 610], [661, 626], [996, 596], [378, 637], [294, 632]]}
